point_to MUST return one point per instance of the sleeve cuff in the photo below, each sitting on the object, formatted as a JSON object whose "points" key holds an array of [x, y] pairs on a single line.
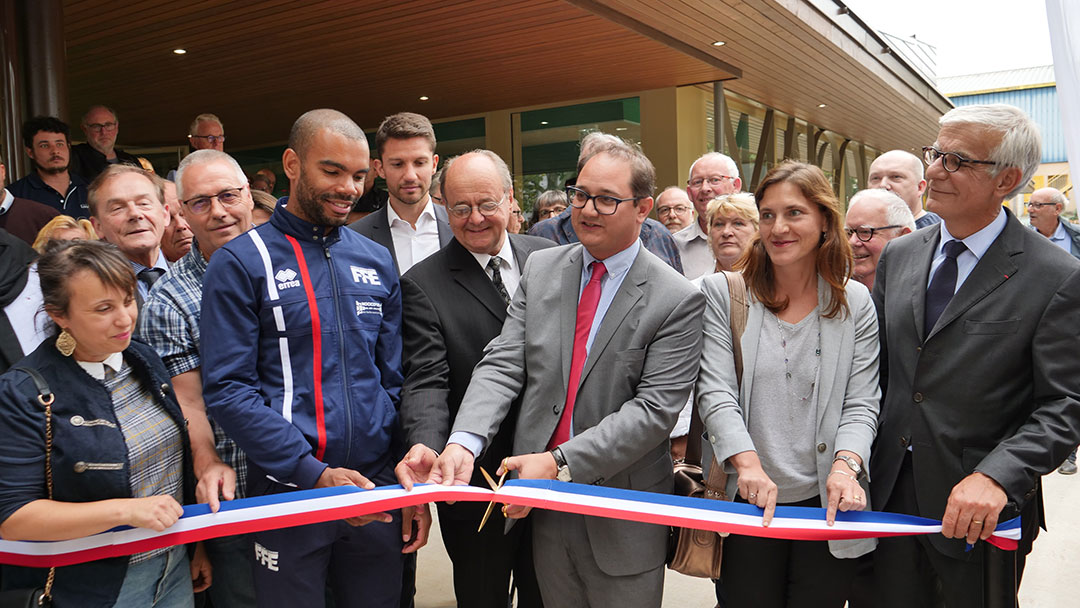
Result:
{"points": [[308, 472], [470, 441]]}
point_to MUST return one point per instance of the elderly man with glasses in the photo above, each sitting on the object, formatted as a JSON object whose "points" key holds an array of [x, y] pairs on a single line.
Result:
{"points": [[674, 209], [101, 126], [207, 133], [981, 385], [874, 217], [712, 175], [217, 208]]}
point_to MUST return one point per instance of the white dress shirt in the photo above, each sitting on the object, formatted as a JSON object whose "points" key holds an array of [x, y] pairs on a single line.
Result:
{"points": [[508, 269], [412, 245], [25, 313], [697, 257], [96, 369]]}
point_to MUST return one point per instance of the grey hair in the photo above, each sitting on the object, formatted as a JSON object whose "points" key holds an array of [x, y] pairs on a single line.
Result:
{"points": [[1021, 143], [205, 117], [669, 189], [642, 172], [897, 212], [732, 167], [1056, 196], [205, 157], [500, 168]]}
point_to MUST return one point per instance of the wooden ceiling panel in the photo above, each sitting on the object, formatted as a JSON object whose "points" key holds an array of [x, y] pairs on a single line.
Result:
{"points": [[260, 64]]}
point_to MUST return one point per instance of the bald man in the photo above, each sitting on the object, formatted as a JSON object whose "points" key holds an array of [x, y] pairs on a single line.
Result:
{"points": [[301, 330], [901, 173]]}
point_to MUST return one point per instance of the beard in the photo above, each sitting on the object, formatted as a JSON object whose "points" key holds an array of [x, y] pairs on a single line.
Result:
{"points": [[310, 202], [51, 170]]}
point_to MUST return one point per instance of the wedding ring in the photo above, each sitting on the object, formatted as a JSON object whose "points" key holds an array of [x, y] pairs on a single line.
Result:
{"points": [[976, 522], [753, 495]]}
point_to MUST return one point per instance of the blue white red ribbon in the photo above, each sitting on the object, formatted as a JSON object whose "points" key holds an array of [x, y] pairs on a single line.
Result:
{"points": [[328, 504]]}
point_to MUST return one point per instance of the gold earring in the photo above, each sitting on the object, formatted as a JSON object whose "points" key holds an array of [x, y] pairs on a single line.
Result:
{"points": [[65, 343]]}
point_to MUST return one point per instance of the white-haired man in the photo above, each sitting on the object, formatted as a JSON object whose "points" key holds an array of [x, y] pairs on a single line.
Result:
{"points": [[981, 392], [902, 173], [874, 217], [712, 175], [674, 209]]}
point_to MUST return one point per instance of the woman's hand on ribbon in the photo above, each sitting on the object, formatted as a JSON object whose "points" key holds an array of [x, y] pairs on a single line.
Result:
{"points": [[754, 485]]}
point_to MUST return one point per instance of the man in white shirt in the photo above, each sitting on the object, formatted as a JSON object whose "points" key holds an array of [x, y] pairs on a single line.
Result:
{"points": [[712, 175], [410, 225]]}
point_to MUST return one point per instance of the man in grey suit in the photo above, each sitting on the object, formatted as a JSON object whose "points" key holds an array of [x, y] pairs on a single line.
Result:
{"points": [[978, 321], [603, 350], [454, 303], [410, 225]]}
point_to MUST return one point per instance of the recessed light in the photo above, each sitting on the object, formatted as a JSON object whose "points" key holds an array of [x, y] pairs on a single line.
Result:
{"points": [[179, 51], [620, 128], [719, 43], [543, 122], [708, 118], [424, 98], [821, 105]]}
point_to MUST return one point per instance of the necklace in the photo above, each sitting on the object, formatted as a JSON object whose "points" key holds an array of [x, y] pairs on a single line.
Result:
{"points": [[788, 378]]}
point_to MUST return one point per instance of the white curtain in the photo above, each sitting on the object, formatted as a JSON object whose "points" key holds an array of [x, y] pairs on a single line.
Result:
{"points": [[1063, 17]]}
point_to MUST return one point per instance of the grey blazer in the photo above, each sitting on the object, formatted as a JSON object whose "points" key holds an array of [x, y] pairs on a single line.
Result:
{"points": [[848, 395], [376, 226], [636, 379]]}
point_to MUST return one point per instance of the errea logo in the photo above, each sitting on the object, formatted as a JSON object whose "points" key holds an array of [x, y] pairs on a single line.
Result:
{"points": [[286, 278], [365, 275]]}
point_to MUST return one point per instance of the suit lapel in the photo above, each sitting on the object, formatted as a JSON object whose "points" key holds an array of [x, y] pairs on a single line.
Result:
{"points": [[755, 317], [467, 273], [917, 274], [993, 268], [625, 299], [380, 233], [571, 285], [442, 222]]}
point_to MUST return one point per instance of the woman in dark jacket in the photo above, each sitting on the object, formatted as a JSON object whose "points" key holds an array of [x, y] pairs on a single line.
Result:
{"points": [[120, 453]]}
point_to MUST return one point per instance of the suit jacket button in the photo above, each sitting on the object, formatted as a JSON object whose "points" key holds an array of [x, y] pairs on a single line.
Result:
{"points": [[555, 408], [821, 447], [917, 397]]}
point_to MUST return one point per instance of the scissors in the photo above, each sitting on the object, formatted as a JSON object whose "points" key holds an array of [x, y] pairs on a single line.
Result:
{"points": [[494, 487]]}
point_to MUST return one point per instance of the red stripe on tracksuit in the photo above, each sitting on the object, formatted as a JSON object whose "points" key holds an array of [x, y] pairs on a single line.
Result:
{"points": [[316, 345]]}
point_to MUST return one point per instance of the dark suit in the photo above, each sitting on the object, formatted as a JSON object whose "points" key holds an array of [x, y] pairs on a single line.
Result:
{"points": [[451, 310], [994, 388], [376, 226], [89, 163]]}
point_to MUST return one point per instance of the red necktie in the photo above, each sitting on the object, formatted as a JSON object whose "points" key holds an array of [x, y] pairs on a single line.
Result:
{"points": [[586, 311]]}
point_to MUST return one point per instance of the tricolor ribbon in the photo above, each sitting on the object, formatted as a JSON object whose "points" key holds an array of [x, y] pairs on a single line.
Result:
{"points": [[327, 504]]}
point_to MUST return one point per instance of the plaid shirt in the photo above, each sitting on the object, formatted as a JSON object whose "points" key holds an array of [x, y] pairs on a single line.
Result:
{"points": [[169, 322]]}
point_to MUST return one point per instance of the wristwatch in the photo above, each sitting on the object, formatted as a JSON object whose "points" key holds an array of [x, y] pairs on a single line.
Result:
{"points": [[852, 464], [563, 473]]}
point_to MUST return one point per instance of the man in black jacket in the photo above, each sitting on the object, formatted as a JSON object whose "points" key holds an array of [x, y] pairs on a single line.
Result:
{"points": [[101, 126]]}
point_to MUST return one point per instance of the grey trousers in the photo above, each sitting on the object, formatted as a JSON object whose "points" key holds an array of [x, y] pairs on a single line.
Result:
{"points": [[569, 576]]}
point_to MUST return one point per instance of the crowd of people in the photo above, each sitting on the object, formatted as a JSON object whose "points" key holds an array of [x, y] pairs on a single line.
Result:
{"points": [[203, 341]]}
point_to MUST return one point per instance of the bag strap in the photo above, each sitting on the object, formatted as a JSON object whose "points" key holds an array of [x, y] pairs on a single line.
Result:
{"points": [[45, 397], [738, 311]]}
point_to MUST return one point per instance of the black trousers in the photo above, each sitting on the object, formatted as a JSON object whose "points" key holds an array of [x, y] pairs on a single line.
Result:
{"points": [[484, 561], [771, 573], [909, 571]]}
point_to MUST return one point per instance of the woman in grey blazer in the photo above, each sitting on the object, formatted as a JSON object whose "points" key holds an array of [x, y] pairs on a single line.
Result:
{"points": [[798, 429]]}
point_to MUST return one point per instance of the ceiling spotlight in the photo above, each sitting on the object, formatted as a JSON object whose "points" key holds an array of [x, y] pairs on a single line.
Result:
{"points": [[179, 51], [719, 43], [620, 128], [543, 122], [424, 98], [821, 105]]}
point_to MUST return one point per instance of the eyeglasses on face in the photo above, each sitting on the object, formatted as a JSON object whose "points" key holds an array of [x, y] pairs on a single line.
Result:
{"points": [[212, 139], [101, 126], [713, 181], [1039, 205], [487, 208], [950, 161], [551, 211], [228, 197], [604, 204], [865, 233], [676, 209]]}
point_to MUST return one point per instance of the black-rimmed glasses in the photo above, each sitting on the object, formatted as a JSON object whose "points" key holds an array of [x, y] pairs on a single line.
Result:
{"points": [[865, 233], [950, 161], [212, 139], [228, 197], [604, 204], [1039, 205]]}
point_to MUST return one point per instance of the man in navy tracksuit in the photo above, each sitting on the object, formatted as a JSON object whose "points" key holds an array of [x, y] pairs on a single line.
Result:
{"points": [[302, 368]]}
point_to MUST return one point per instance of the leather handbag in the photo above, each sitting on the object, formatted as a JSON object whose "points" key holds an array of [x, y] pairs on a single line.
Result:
{"points": [[40, 597], [700, 552]]}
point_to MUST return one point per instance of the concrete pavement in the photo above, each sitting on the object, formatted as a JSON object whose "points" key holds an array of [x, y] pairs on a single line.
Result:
{"points": [[1051, 580]]}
